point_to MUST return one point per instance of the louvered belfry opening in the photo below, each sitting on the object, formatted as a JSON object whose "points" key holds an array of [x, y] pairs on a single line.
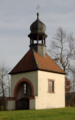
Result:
{"points": [[38, 37]]}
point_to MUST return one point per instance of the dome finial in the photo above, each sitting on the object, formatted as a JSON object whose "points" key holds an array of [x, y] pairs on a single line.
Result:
{"points": [[38, 16], [38, 12]]}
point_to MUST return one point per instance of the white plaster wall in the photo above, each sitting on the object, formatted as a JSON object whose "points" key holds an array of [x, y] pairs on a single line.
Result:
{"points": [[11, 105], [39, 80], [32, 104], [47, 100], [32, 76]]}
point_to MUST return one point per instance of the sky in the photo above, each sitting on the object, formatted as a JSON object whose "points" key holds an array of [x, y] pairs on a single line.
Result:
{"points": [[16, 16]]}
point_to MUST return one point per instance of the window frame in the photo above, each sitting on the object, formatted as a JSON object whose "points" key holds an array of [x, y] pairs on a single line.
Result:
{"points": [[53, 86]]}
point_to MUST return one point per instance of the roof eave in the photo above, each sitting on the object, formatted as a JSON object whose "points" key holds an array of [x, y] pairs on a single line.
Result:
{"points": [[36, 70]]}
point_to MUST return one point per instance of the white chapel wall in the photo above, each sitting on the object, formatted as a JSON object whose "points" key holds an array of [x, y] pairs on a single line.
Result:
{"points": [[10, 104], [39, 80], [47, 100], [32, 104]]}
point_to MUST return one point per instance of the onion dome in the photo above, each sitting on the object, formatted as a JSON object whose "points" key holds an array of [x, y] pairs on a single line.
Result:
{"points": [[37, 26], [38, 37]]}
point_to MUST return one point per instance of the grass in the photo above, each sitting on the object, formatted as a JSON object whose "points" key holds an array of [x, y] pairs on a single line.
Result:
{"points": [[49, 114]]}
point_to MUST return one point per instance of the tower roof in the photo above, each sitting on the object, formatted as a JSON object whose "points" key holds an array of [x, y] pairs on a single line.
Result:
{"points": [[33, 61], [37, 26]]}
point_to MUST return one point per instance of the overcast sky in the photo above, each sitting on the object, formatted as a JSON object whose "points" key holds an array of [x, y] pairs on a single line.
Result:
{"points": [[16, 16]]}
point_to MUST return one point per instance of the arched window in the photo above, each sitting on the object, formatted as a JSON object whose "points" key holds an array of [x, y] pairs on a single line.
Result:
{"points": [[25, 88]]}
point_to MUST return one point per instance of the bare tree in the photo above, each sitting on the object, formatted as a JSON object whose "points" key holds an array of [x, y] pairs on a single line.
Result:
{"points": [[4, 80], [72, 69], [62, 48]]}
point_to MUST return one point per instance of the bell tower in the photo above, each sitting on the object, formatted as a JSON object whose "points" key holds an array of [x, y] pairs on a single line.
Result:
{"points": [[38, 37]]}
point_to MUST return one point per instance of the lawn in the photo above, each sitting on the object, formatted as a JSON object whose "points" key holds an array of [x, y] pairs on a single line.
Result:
{"points": [[49, 114]]}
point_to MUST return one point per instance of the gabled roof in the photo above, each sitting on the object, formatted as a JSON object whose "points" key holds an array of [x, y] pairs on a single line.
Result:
{"points": [[33, 61]]}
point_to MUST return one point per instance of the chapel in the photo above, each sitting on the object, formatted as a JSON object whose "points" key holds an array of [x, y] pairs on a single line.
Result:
{"points": [[37, 82]]}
